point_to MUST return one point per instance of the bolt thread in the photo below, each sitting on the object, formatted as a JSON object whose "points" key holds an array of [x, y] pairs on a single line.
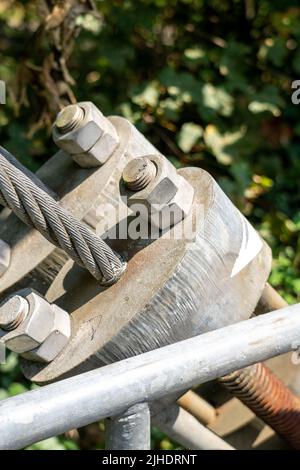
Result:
{"points": [[17, 309], [269, 398], [69, 118], [139, 177], [14, 324]]}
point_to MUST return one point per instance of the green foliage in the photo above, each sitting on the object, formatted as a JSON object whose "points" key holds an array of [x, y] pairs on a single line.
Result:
{"points": [[208, 82]]}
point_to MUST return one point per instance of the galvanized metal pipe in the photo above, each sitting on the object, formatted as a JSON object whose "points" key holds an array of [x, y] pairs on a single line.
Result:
{"points": [[183, 428], [108, 391], [270, 300], [129, 430]]}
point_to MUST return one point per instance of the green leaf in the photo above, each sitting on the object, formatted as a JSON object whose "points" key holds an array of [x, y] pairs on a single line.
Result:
{"points": [[194, 53], [218, 142], [217, 99], [148, 96], [90, 22], [189, 135], [276, 51], [16, 388], [10, 364], [296, 285], [52, 443], [256, 107]]}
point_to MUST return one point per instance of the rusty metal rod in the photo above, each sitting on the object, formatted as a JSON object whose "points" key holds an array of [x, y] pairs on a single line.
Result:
{"points": [[197, 407], [264, 393], [269, 398]]}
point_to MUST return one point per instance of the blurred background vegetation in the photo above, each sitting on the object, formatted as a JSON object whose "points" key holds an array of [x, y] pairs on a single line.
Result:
{"points": [[208, 82]]}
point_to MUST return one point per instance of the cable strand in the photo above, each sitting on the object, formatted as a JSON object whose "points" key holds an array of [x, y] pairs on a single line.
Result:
{"points": [[36, 208]]}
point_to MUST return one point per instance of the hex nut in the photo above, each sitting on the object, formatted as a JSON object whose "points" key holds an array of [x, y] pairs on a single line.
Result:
{"points": [[175, 210], [35, 328], [100, 152], [93, 139], [55, 341], [162, 188], [5, 254], [168, 198]]}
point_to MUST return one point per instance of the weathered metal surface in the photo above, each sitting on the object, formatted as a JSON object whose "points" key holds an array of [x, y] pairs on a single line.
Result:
{"points": [[100, 393], [55, 341], [236, 422], [185, 429], [166, 199], [35, 261], [5, 256], [198, 407], [33, 327], [268, 397], [224, 259], [270, 300], [39, 210], [153, 304], [263, 391], [129, 430], [231, 416], [13, 312], [86, 134], [139, 173]]}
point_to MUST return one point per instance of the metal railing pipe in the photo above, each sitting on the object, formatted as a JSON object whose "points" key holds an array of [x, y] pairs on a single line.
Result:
{"points": [[129, 430], [112, 389]]}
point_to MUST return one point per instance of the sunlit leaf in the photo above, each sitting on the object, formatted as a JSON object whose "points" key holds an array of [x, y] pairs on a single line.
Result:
{"points": [[148, 96], [188, 136], [217, 99], [218, 142], [260, 107]]}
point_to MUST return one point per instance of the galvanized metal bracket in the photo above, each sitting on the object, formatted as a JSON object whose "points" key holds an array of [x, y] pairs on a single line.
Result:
{"points": [[153, 304]]}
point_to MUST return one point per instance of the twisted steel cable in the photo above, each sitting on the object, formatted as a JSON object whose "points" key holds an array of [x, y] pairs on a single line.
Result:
{"points": [[26, 198]]}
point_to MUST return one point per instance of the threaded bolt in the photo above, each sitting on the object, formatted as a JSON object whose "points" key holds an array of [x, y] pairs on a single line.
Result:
{"points": [[138, 173], [69, 118], [269, 398], [13, 312]]}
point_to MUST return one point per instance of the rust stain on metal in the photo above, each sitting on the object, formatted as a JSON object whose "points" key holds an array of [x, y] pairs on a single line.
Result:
{"points": [[269, 398], [253, 343], [279, 320]]}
